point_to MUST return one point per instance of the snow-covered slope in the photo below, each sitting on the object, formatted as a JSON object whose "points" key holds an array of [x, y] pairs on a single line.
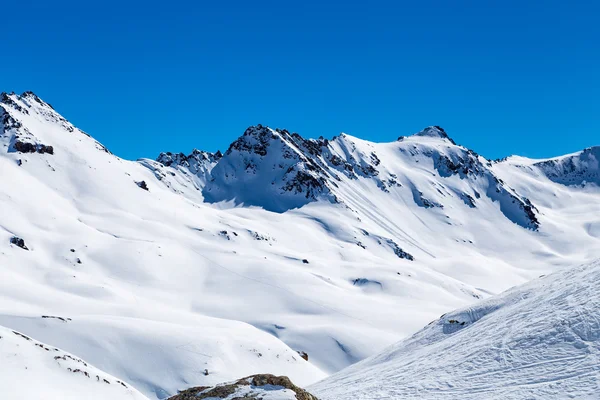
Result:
{"points": [[33, 370], [540, 340], [206, 262]]}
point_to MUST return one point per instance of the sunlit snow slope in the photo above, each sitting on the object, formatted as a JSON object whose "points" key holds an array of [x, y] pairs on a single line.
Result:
{"points": [[33, 370], [232, 262], [540, 340]]}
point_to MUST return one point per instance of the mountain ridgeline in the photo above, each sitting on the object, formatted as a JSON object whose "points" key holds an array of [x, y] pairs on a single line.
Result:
{"points": [[283, 255], [279, 171]]}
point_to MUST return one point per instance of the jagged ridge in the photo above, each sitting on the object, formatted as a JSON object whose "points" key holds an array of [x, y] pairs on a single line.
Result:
{"points": [[279, 170]]}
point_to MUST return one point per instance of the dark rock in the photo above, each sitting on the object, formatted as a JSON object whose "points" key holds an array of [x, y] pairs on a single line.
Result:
{"points": [[305, 261], [142, 184], [55, 317], [27, 147], [398, 251], [24, 147], [303, 354], [45, 149], [17, 241], [224, 390]]}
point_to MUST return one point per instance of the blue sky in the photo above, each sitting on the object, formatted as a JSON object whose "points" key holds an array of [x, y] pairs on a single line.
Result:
{"points": [[502, 77]]}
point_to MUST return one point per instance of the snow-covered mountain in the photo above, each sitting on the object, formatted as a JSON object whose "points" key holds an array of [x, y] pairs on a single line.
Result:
{"points": [[220, 266], [280, 171], [538, 341]]}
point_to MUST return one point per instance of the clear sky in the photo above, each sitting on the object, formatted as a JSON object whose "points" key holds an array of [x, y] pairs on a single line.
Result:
{"points": [[502, 77]]}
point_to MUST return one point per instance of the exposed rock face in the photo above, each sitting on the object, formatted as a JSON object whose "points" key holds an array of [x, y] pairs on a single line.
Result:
{"points": [[303, 354], [20, 138], [278, 170], [193, 161], [292, 170], [398, 251], [195, 167], [578, 169], [252, 387], [17, 241], [27, 147], [432, 132], [142, 185], [271, 168]]}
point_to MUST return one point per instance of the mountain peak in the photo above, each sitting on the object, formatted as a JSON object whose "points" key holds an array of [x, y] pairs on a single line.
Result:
{"points": [[435, 131], [258, 138], [12, 98]]}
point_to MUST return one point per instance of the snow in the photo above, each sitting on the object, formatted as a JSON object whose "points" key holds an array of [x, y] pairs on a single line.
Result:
{"points": [[161, 358], [207, 265], [33, 370], [539, 340], [265, 392]]}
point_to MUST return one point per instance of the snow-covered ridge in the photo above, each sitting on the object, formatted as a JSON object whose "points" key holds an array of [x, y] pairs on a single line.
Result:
{"points": [[577, 169], [540, 340], [31, 369], [31, 138], [279, 171]]}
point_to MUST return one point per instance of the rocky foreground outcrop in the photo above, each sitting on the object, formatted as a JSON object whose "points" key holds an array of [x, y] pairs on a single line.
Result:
{"points": [[258, 387]]}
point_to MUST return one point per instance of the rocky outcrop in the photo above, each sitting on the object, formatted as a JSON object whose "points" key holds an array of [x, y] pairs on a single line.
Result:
{"points": [[279, 171], [191, 161], [24, 146], [20, 139], [271, 168], [19, 242], [142, 185], [251, 387], [435, 132], [579, 169]]}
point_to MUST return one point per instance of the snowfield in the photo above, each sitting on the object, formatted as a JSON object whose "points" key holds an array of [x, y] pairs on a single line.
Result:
{"points": [[33, 370], [199, 269], [538, 341]]}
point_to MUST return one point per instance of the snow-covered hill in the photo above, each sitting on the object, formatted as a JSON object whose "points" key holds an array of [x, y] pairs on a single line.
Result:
{"points": [[231, 263], [540, 340], [33, 370]]}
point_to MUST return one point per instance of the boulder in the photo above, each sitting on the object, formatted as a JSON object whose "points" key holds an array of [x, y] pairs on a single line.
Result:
{"points": [[251, 387], [17, 241]]}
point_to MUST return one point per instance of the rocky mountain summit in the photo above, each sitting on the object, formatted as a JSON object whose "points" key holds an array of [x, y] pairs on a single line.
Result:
{"points": [[279, 170]]}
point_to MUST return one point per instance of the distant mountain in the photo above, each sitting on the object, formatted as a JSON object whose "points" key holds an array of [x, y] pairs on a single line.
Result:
{"points": [[218, 266]]}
